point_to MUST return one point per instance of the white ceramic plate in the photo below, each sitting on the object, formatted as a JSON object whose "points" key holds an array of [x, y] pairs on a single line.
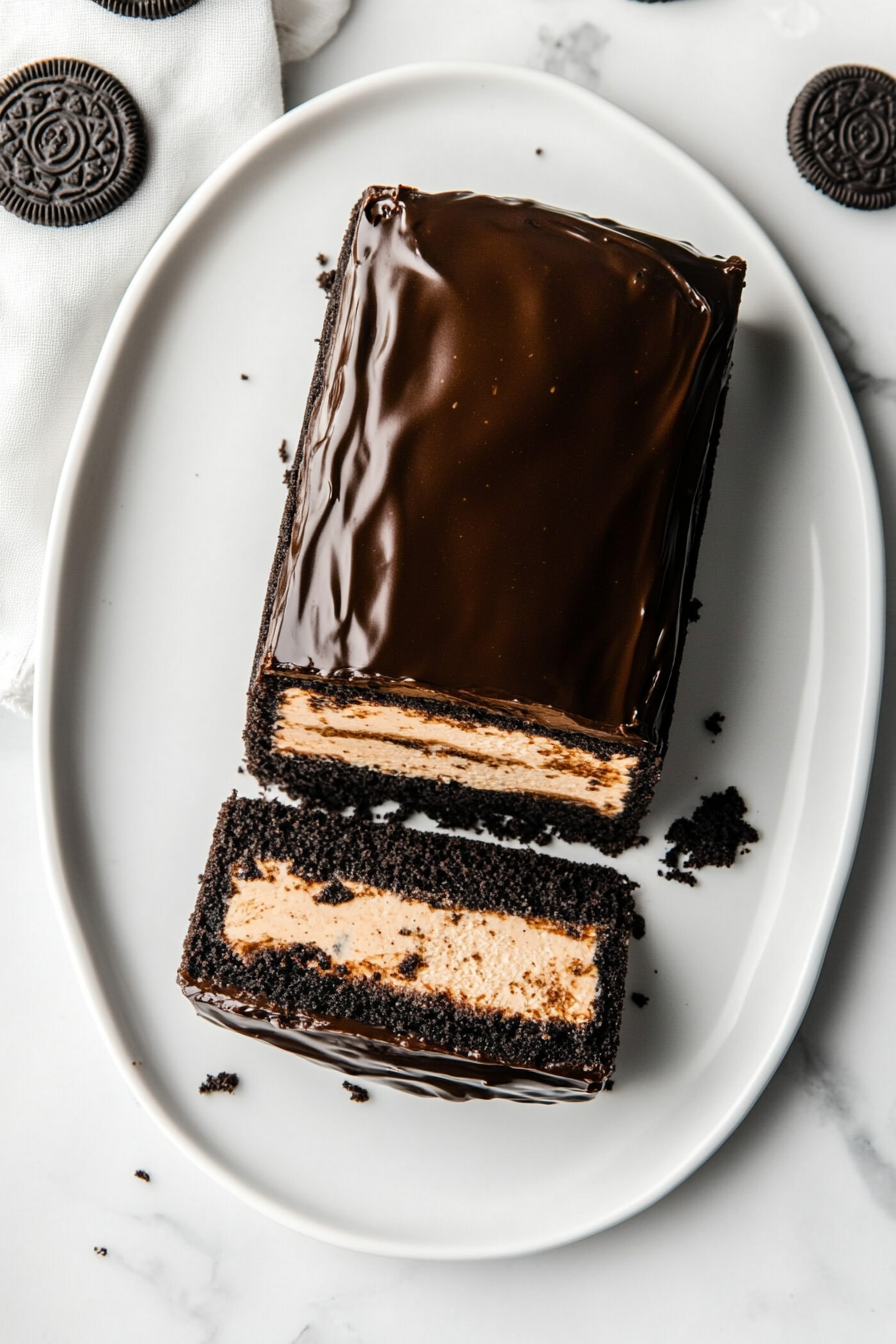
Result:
{"points": [[161, 544]]}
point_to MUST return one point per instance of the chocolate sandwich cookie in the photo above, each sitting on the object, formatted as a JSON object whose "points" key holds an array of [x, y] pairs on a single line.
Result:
{"points": [[147, 9], [72, 143], [842, 135]]}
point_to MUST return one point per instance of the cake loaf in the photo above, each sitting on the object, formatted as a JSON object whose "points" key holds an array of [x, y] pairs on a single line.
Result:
{"points": [[478, 604], [441, 965]]}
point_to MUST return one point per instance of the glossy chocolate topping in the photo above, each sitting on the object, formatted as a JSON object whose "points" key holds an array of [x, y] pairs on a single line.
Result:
{"points": [[403, 1062], [506, 471]]}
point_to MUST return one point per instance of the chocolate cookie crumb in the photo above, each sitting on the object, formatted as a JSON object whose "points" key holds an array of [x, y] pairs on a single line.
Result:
{"points": [[220, 1082], [283, 451], [142, 1175], [639, 925], [694, 610], [676, 875], [356, 1093], [640, 1000], [714, 723], [100, 1250], [326, 280], [410, 965], [334, 893], [322, 258], [539, 150], [244, 377], [713, 835]]}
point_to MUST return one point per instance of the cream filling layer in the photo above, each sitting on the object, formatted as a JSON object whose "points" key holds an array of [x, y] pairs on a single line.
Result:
{"points": [[418, 743], [479, 959]]}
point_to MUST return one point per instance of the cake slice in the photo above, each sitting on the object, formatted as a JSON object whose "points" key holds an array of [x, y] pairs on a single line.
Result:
{"points": [[478, 603], [441, 965]]}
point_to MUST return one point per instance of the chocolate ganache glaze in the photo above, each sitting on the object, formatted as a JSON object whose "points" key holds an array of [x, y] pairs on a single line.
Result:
{"points": [[402, 1062], [507, 466]]}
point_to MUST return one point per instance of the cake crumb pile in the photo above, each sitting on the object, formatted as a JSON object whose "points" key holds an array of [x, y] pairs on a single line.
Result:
{"points": [[220, 1082], [714, 836]]}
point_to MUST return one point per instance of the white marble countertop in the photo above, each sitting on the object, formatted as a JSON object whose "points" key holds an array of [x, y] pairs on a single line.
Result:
{"points": [[788, 1234]]}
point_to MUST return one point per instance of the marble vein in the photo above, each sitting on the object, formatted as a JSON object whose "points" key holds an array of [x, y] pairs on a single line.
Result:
{"points": [[327, 1319], [845, 346], [832, 1090], [180, 1267], [797, 18], [572, 54]]}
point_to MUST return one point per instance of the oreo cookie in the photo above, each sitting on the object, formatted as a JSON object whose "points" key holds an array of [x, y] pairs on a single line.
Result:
{"points": [[146, 9], [842, 135], [72, 143]]}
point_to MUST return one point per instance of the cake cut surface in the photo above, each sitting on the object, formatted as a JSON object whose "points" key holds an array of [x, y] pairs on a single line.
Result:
{"points": [[442, 965], [478, 959], [479, 599], [418, 741]]}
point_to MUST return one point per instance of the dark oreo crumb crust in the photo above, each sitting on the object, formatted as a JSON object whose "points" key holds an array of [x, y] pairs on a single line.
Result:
{"points": [[514, 816], [842, 135], [72, 143], [446, 871], [712, 836]]}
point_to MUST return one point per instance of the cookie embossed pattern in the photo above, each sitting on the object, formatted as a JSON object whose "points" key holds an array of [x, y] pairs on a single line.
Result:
{"points": [[146, 9], [72, 143], [842, 135]]}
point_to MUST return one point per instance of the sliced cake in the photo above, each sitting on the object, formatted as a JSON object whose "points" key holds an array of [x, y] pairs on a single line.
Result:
{"points": [[478, 602], [440, 965]]}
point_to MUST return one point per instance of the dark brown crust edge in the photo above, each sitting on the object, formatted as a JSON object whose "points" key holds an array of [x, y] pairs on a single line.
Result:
{"points": [[283, 994], [314, 392]]}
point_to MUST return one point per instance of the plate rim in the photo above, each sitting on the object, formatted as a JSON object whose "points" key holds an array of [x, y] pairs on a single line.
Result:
{"points": [[63, 519]]}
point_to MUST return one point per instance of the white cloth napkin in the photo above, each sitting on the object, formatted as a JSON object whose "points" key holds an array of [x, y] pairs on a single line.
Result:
{"points": [[204, 80]]}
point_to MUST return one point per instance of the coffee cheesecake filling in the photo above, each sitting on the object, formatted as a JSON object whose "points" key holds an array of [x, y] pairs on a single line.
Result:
{"points": [[484, 960], [425, 745]]}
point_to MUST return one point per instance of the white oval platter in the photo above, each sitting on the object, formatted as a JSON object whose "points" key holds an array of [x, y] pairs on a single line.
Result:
{"points": [[161, 544]]}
